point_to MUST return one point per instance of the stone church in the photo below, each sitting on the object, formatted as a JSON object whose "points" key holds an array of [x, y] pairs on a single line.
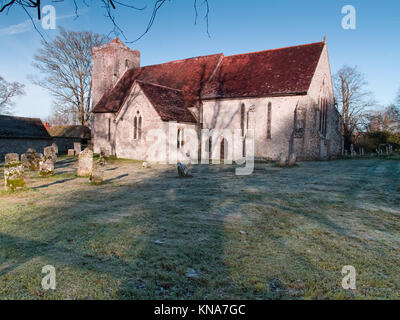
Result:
{"points": [[284, 95]]}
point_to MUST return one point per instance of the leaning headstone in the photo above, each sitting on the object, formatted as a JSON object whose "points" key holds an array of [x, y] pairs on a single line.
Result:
{"points": [[77, 147], [292, 159], [46, 167], [97, 175], [282, 160], [85, 163], [11, 157], [183, 171], [55, 147], [71, 152], [13, 173], [50, 154]]}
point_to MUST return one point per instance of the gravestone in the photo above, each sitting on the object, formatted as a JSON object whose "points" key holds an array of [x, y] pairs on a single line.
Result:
{"points": [[46, 167], [50, 154], [71, 153], [292, 159], [97, 175], [11, 157], [31, 159], [85, 163], [282, 160], [183, 171], [55, 147], [77, 147], [13, 173], [352, 150]]}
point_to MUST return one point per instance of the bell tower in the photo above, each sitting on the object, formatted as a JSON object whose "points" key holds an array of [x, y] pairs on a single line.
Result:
{"points": [[110, 62]]}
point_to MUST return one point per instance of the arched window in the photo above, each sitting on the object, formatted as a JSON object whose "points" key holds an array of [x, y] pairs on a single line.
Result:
{"points": [[223, 150], [135, 128], [242, 110], [140, 128], [210, 149], [180, 139], [269, 115]]}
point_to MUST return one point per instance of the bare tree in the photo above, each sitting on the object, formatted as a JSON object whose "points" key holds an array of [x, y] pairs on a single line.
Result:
{"points": [[9, 90], [109, 7], [353, 100], [66, 64], [397, 101]]}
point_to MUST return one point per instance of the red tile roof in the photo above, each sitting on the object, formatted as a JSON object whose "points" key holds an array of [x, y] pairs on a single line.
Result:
{"points": [[273, 72], [169, 103], [188, 75]]}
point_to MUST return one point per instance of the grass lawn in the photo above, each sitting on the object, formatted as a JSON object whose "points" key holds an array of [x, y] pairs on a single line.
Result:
{"points": [[280, 233]]}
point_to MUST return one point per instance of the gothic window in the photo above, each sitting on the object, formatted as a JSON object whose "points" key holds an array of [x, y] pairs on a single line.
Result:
{"points": [[140, 128], [109, 130], [210, 149], [180, 139], [323, 116], [242, 118], [135, 128], [223, 150], [269, 114]]}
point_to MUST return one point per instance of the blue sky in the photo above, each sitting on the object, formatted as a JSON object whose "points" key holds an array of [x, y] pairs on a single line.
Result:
{"points": [[235, 26]]}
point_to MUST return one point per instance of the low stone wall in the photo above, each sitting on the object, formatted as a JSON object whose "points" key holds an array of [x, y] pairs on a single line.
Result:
{"points": [[15, 145], [64, 144]]}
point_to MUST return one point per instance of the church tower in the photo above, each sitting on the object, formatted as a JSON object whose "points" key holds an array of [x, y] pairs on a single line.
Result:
{"points": [[110, 62]]}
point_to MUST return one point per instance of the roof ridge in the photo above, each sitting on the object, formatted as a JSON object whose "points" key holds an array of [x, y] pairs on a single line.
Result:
{"points": [[182, 60], [276, 49], [158, 85], [18, 117]]}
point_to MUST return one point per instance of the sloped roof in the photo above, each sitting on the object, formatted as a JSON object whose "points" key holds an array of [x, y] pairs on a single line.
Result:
{"points": [[187, 75], [282, 71], [273, 72], [169, 103], [20, 127], [81, 132]]}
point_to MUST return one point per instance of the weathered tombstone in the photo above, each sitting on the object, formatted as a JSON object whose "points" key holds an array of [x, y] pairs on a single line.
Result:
{"points": [[71, 152], [352, 150], [292, 159], [13, 173], [31, 159], [46, 167], [85, 163], [182, 170], [97, 175], [55, 147], [282, 160], [11, 157], [50, 154], [77, 147]]}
